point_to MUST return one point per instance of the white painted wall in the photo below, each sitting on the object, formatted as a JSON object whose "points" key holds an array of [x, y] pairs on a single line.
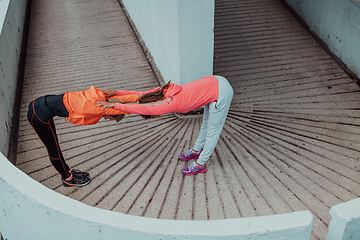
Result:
{"points": [[179, 35], [337, 23], [345, 221], [30, 211], [12, 16]]}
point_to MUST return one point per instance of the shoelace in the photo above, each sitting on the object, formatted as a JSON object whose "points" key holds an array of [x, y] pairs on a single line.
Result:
{"points": [[188, 153], [193, 166]]}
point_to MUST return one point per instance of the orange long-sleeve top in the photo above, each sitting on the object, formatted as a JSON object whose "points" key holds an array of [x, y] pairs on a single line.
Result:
{"points": [[184, 98], [82, 109]]}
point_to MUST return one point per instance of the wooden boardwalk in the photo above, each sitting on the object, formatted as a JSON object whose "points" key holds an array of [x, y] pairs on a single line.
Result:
{"points": [[290, 142]]}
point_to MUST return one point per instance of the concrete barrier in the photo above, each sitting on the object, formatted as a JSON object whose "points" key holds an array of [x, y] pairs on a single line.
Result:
{"points": [[30, 211], [179, 35], [345, 221], [12, 17], [337, 23]]}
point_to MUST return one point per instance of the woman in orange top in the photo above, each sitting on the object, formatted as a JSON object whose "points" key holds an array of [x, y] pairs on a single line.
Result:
{"points": [[79, 109]]}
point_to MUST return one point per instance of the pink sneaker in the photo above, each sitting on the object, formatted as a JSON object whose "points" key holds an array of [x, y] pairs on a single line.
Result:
{"points": [[194, 169], [189, 155]]}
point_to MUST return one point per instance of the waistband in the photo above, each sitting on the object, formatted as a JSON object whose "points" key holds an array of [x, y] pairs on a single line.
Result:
{"points": [[41, 109], [56, 104]]}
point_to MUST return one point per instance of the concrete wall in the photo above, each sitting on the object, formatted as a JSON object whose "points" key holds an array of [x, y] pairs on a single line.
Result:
{"points": [[12, 15], [30, 211], [179, 35], [345, 221], [337, 23]]}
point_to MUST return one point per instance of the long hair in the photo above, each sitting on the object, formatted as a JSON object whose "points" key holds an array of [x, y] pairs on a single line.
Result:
{"points": [[153, 97], [119, 117]]}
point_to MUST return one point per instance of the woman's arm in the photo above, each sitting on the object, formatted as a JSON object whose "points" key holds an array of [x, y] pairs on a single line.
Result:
{"points": [[126, 92], [109, 93], [156, 108], [129, 98]]}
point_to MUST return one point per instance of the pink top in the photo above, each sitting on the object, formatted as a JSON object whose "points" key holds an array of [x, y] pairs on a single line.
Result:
{"points": [[185, 98]]}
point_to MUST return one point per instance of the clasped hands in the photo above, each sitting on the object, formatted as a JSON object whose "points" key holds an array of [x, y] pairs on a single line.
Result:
{"points": [[105, 104]]}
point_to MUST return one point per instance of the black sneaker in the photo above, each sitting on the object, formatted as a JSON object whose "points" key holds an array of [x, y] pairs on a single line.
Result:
{"points": [[76, 181], [79, 173]]}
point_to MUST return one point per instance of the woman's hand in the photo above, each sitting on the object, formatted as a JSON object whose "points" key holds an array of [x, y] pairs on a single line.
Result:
{"points": [[101, 103], [109, 93]]}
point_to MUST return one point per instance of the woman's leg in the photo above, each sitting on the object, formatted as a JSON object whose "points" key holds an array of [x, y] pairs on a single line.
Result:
{"points": [[200, 141], [215, 120], [44, 126]]}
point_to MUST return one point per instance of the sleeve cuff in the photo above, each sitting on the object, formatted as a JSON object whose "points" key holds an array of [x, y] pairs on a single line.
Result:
{"points": [[118, 106], [118, 92]]}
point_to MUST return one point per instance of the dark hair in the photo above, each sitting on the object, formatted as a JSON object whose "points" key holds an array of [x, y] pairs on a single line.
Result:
{"points": [[153, 97], [118, 118]]}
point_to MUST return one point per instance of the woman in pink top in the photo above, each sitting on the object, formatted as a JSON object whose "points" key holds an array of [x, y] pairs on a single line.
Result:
{"points": [[212, 92]]}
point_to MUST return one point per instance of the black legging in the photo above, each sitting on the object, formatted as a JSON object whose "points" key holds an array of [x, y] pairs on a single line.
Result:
{"points": [[40, 115]]}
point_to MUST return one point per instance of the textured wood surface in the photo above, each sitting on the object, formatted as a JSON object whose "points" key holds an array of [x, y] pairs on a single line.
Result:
{"points": [[290, 142]]}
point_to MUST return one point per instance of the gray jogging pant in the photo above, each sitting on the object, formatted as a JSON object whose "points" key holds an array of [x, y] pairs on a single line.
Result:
{"points": [[213, 121]]}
